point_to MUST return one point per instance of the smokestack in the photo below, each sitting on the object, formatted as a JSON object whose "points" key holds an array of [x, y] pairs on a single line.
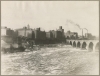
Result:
{"points": [[82, 33]]}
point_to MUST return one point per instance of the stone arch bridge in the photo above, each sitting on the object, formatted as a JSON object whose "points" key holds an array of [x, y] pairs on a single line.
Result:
{"points": [[91, 45]]}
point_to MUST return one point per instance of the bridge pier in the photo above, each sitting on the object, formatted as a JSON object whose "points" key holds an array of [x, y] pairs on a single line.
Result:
{"points": [[94, 49]]}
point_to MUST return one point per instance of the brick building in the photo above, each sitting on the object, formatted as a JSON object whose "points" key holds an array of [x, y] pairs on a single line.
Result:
{"points": [[89, 36], [42, 35], [52, 34], [59, 33], [7, 34], [48, 35], [25, 32], [37, 33], [7, 31], [71, 35]]}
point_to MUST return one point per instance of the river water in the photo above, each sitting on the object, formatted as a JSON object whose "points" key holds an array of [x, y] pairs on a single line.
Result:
{"points": [[57, 59]]}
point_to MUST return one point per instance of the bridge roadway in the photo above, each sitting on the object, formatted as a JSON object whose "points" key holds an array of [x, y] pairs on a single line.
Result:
{"points": [[90, 45]]}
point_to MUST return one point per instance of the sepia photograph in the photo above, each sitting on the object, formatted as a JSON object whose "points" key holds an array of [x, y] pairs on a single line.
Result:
{"points": [[50, 37]]}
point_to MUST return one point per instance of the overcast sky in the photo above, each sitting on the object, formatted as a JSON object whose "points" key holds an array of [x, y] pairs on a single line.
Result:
{"points": [[51, 14]]}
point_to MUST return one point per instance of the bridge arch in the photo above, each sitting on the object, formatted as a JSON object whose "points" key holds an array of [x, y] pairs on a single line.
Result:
{"points": [[74, 44], [70, 42], [84, 45], [90, 47], [78, 44], [97, 47]]}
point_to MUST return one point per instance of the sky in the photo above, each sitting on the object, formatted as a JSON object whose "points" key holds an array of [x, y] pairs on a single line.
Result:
{"points": [[49, 15]]}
